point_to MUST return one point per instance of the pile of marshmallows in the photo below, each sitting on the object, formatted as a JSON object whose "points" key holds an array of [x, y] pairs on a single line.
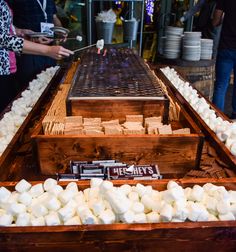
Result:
{"points": [[224, 130], [49, 204], [21, 107]]}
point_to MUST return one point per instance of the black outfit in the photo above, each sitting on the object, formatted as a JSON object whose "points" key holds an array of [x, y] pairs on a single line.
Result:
{"points": [[28, 15]]}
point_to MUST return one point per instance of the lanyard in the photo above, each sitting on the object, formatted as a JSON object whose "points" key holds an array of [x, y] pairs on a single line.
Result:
{"points": [[43, 8]]}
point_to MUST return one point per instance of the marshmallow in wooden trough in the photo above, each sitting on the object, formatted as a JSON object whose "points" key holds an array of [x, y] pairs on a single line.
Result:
{"points": [[126, 189], [25, 198], [127, 217], [226, 217], [210, 188], [137, 207], [95, 182], [39, 210], [36, 190], [72, 186], [97, 207], [119, 203], [196, 193], [140, 189], [65, 196], [66, 212], [79, 198], [40, 221], [23, 219], [49, 184], [171, 184], [107, 217], [6, 219], [153, 217], [86, 215], [4, 194], [133, 196], [52, 219], [148, 203], [105, 186], [173, 194], [232, 196], [210, 204], [180, 211], [140, 218], [73, 221], [223, 206], [17, 208], [166, 213], [56, 190], [52, 203], [22, 186], [197, 212]]}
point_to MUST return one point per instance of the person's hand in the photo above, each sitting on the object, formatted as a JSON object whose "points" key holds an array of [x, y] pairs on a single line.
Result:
{"points": [[182, 19], [59, 52]]}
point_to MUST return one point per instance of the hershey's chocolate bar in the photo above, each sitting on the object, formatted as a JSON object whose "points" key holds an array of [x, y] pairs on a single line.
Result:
{"points": [[137, 171], [65, 177]]}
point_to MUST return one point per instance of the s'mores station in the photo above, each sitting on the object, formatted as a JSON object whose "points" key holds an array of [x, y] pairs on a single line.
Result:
{"points": [[109, 153]]}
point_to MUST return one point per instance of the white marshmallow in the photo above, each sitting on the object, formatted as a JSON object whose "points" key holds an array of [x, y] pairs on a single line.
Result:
{"points": [[79, 198], [133, 196], [137, 207], [56, 190], [157, 206], [153, 217], [197, 212], [171, 184], [119, 203], [180, 210], [223, 207], [17, 208], [66, 196], [233, 209], [211, 204], [97, 207], [140, 189], [22, 186], [52, 203], [140, 218], [196, 193], [106, 186], [4, 194], [23, 219], [173, 194], [232, 196], [39, 210], [73, 221], [49, 184], [40, 221], [36, 190], [226, 217], [52, 219], [127, 217], [66, 212], [148, 203], [95, 182], [166, 213], [107, 217], [126, 189], [86, 215], [25, 198], [6, 220], [72, 186]]}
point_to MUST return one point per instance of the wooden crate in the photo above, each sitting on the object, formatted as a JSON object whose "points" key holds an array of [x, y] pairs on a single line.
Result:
{"points": [[109, 109], [175, 154], [219, 146], [188, 236]]}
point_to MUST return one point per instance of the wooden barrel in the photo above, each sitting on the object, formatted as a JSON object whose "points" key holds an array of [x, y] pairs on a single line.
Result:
{"points": [[201, 74]]}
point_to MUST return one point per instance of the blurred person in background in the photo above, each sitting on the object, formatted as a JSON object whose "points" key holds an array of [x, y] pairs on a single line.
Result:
{"points": [[226, 57], [38, 16], [10, 44]]}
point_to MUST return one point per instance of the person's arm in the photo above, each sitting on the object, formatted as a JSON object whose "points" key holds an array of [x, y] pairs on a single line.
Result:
{"points": [[191, 12], [55, 52], [217, 17]]}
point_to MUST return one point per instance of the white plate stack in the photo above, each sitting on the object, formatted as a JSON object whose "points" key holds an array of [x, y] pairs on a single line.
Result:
{"points": [[192, 46], [172, 46], [206, 49]]}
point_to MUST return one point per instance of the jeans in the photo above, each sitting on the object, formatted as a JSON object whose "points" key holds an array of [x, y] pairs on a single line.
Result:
{"points": [[225, 63]]}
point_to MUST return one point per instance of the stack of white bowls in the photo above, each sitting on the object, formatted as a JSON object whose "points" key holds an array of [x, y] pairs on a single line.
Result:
{"points": [[192, 46], [206, 49], [172, 46]]}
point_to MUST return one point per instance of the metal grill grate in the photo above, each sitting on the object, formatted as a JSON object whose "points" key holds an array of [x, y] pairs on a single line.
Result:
{"points": [[121, 73]]}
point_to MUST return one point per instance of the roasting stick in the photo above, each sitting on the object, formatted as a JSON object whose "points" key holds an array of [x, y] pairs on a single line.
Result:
{"points": [[99, 45]]}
